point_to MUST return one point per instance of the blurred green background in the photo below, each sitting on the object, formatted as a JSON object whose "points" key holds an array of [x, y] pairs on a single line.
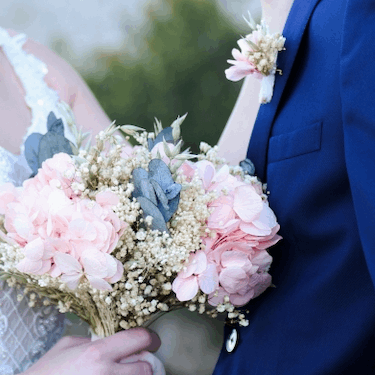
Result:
{"points": [[179, 68]]}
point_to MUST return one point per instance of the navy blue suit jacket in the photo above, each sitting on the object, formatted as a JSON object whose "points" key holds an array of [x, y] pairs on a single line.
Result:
{"points": [[314, 144]]}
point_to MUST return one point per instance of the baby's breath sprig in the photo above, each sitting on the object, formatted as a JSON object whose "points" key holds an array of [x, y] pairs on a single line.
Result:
{"points": [[77, 133], [264, 47]]}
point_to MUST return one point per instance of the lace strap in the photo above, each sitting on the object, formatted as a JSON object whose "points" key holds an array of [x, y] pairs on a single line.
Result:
{"points": [[40, 98]]}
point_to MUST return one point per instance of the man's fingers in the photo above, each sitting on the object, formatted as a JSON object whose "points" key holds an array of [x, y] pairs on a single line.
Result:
{"points": [[125, 343], [136, 368], [69, 341], [155, 343]]}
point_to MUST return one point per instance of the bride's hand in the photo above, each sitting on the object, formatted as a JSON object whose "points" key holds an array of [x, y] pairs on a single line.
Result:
{"points": [[78, 355]]}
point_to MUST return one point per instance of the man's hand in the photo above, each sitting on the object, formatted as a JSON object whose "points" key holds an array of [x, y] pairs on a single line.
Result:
{"points": [[78, 355]]}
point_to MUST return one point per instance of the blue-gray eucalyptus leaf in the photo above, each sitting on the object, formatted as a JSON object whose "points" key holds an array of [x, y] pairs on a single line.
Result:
{"points": [[51, 144], [149, 209], [40, 147], [165, 133], [159, 193], [32, 151], [173, 205], [248, 166], [138, 174], [160, 172], [148, 191], [172, 190], [158, 187], [55, 125]]}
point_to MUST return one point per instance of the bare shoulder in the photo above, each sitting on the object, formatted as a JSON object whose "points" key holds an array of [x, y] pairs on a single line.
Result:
{"points": [[61, 76], [70, 86]]}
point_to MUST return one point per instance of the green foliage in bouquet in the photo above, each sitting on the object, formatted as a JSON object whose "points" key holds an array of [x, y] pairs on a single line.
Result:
{"points": [[180, 68]]}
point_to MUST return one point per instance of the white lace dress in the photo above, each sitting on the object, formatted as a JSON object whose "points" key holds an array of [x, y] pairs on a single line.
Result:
{"points": [[26, 333]]}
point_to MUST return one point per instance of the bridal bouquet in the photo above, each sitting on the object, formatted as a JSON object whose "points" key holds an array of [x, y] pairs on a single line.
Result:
{"points": [[119, 235]]}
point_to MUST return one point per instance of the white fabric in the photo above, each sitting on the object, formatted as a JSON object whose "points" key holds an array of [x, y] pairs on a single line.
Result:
{"points": [[26, 333], [144, 356]]}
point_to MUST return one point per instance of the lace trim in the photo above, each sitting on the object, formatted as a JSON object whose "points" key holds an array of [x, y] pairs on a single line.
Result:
{"points": [[13, 168], [26, 333], [40, 98]]}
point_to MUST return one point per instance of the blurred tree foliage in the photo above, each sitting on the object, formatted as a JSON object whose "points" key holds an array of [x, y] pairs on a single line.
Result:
{"points": [[181, 69]]}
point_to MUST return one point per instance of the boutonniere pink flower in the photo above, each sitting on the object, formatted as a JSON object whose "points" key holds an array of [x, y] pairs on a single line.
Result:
{"points": [[257, 57]]}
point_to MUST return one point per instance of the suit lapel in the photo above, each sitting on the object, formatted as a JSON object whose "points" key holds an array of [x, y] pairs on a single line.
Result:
{"points": [[293, 31]]}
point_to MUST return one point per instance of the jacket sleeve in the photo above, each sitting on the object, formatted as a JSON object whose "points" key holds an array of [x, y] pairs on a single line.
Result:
{"points": [[357, 76]]}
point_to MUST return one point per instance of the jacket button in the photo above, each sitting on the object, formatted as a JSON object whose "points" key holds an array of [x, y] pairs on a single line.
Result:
{"points": [[232, 341]]}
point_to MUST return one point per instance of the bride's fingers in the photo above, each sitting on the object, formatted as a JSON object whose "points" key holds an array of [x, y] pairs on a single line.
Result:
{"points": [[136, 368]]}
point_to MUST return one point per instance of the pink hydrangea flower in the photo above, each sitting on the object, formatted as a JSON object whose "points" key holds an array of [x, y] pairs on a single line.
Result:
{"points": [[243, 270], [99, 268], [61, 233], [235, 263], [239, 204], [188, 170], [198, 274], [8, 194], [242, 66], [37, 260], [55, 168]]}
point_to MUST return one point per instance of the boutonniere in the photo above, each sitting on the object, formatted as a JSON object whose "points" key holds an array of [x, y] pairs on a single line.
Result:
{"points": [[258, 57]]}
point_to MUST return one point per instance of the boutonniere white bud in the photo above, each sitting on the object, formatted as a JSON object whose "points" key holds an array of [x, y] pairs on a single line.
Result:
{"points": [[257, 57]]}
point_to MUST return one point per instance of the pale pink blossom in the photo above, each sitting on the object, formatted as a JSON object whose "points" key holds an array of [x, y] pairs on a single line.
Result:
{"points": [[238, 205], [37, 259], [8, 194], [243, 271], [106, 199], [245, 227], [255, 242], [257, 57], [55, 168], [188, 170], [197, 274], [99, 268], [242, 66], [235, 262], [47, 219]]}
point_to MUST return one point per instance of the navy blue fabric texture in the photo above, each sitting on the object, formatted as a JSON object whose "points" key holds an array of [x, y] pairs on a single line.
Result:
{"points": [[314, 145]]}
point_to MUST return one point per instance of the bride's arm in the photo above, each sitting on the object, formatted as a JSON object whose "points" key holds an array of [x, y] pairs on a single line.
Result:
{"points": [[70, 86]]}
